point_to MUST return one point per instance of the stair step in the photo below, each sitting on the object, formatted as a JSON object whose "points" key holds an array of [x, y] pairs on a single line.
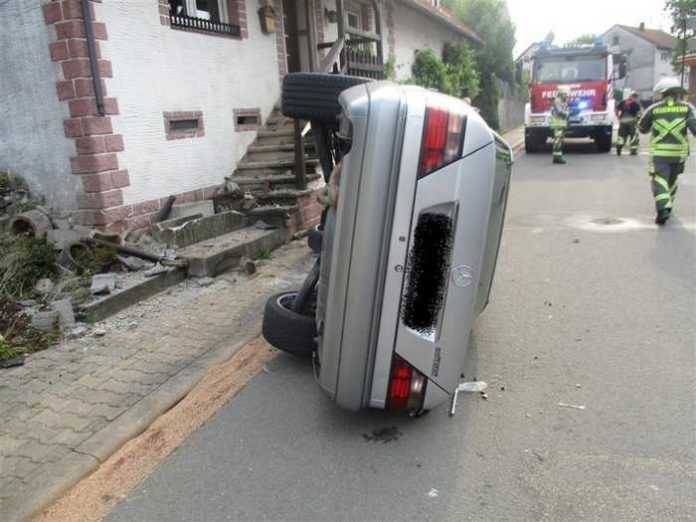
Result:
{"points": [[277, 120], [280, 147], [215, 256], [277, 181], [272, 209], [266, 133], [285, 193], [253, 156], [273, 164], [282, 197], [197, 230]]}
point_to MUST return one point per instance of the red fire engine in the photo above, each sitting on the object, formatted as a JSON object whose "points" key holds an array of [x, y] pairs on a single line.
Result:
{"points": [[588, 71]]}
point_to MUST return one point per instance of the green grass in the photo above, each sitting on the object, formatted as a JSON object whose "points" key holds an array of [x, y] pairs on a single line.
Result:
{"points": [[262, 253], [7, 351]]}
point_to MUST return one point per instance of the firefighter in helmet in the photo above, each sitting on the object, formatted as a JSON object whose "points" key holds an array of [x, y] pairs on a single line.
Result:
{"points": [[559, 121], [667, 121], [628, 111]]}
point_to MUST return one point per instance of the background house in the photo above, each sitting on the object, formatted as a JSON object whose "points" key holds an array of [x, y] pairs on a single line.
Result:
{"points": [[648, 53], [187, 85]]}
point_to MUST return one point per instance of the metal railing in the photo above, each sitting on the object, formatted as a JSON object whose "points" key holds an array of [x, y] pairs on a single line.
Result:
{"points": [[191, 23]]}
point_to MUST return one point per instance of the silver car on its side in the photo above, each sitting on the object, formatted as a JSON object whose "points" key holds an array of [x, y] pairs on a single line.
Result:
{"points": [[408, 249], [409, 253]]}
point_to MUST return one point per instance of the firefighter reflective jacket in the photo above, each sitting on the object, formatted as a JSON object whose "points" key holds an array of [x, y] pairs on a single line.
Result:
{"points": [[559, 113], [667, 121]]}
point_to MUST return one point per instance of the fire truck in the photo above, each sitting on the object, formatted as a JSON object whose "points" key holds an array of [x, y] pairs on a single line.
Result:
{"points": [[588, 72]]}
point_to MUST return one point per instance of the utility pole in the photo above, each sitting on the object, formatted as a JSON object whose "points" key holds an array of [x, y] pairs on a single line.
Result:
{"points": [[689, 22], [683, 57]]}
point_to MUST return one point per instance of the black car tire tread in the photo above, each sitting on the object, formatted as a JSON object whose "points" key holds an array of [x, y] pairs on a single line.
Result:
{"points": [[287, 330], [314, 96]]}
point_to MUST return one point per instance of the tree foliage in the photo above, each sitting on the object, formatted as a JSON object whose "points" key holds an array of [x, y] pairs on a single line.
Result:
{"points": [[680, 12], [583, 39], [490, 20], [454, 73], [461, 67], [431, 72]]}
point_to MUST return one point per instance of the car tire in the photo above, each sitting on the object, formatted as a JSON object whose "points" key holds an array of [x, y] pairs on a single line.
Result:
{"points": [[314, 96], [530, 147], [287, 330], [314, 240], [534, 144]]}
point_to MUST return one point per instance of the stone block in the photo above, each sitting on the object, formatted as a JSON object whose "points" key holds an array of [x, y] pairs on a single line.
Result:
{"points": [[45, 321], [200, 229], [66, 315], [205, 208], [103, 284]]}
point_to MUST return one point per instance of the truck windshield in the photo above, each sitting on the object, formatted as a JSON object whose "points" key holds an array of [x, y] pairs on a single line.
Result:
{"points": [[570, 70]]}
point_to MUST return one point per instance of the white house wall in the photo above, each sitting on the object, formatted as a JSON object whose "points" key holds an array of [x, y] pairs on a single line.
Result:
{"points": [[640, 56], [158, 69], [32, 142], [414, 31], [663, 67]]}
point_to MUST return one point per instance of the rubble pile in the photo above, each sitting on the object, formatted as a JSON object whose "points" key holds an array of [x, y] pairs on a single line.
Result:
{"points": [[51, 268]]}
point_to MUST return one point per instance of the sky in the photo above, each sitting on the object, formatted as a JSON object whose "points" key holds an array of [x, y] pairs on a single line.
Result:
{"points": [[570, 18]]}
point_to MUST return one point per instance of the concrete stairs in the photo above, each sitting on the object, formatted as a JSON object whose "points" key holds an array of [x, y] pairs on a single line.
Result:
{"points": [[267, 170]]}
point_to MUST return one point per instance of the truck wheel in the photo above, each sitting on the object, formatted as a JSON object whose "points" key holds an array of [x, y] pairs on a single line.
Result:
{"points": [[603, 143], [314, 96], [287, 330], [530, 147]]}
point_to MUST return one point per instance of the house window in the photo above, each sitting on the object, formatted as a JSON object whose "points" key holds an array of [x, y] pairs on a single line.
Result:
{"points": [[353, 19], [665, 56], [247, 119], [179, 125], [211, 16], [615, 40]]}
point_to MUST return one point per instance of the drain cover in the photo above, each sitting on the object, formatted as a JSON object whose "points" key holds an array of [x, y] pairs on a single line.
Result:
{"points": [[607, 221]]}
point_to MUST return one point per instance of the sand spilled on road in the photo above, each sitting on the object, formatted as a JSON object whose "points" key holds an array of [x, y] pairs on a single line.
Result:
{"points": [[92, 498]]}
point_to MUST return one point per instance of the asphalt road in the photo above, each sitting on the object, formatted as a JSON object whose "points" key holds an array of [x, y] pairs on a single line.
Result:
{"points": [[593, 306]]}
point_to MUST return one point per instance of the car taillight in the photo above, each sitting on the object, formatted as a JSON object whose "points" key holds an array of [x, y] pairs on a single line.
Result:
{"points": [[442, 139], [406, 387]]}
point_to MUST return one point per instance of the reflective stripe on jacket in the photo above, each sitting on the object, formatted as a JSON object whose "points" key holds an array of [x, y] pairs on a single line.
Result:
{"points": [[559, 113], [668, 121]]}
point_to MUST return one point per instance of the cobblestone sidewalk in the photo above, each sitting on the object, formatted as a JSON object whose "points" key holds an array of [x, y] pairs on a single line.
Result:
{"points": [[71, 406]]}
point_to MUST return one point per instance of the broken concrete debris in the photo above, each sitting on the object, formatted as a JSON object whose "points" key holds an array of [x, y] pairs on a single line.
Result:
{"points": [[45, 321], [44, 286], [156, 270], [132, 263], [66, 314], [103, 284]]}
